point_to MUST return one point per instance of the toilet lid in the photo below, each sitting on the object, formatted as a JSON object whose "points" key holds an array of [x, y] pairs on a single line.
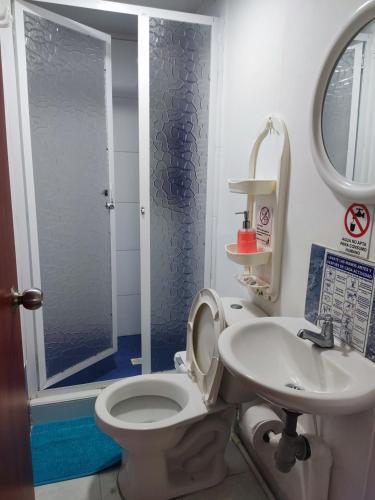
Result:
{"points": [[205, 324]]}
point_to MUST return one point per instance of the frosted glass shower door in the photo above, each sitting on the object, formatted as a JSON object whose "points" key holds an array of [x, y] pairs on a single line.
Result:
{"points": [[65, 91], [176, 56], [341, 110]]}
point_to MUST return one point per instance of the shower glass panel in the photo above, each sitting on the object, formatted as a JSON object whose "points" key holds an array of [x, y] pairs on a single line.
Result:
{"points": [[67, 106], [336, 118], [179, 105], [341, 109]]}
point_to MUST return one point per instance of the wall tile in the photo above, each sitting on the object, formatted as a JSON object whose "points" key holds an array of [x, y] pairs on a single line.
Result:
{"points": [[124, 68], [129, 314], [125, 124], [128, 272], [126, 177], [127, 226]]}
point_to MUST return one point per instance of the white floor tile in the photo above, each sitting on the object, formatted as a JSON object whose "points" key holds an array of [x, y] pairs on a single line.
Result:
{"points": [[240, 484], [84, 488], [235, 461], [108, 484], [239, 487]]}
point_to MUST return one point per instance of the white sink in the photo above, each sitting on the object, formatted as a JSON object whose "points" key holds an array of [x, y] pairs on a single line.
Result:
{"points": [[294, 373]]}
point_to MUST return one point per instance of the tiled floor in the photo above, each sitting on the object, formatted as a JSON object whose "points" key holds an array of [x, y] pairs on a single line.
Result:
{"points": [[118, 365], [240, 484]]}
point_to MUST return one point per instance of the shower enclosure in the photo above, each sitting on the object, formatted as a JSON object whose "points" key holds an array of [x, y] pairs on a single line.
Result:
{"points": [[341, 110], [65, 89], [179, 107]]}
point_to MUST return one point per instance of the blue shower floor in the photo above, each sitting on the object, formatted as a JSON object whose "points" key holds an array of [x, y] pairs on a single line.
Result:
{"points": [[118, 365]]}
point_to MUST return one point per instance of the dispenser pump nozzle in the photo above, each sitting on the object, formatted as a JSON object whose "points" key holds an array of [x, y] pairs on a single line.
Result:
{"points": [[245, 222]]}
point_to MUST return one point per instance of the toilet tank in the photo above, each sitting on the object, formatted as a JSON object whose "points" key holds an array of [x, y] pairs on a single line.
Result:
{"points": [[237, 310], [232, 390]]}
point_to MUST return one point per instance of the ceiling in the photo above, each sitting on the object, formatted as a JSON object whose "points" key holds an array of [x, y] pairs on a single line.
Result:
{"points": [[180, 5], [119, 25]]}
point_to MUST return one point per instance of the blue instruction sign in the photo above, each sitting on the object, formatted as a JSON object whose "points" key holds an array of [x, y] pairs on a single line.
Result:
{"points": [[347, 294]]}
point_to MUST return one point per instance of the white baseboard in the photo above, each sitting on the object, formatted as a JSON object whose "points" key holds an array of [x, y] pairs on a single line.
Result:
{"points": [[67, 402], [51, 408]]}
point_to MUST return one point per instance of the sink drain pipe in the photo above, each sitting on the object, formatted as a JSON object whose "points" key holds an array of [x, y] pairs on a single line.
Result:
{"points": [[292, 446]]}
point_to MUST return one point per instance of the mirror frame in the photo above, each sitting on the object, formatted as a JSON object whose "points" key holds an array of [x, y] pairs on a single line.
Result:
{"points": [[341, 186]]}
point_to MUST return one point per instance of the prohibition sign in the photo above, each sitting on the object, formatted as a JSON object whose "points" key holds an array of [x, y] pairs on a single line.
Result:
{"points": [[357, 220], [264, 216]]}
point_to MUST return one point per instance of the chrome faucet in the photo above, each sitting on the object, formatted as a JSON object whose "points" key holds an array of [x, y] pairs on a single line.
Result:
{"points": [[325, 337]]}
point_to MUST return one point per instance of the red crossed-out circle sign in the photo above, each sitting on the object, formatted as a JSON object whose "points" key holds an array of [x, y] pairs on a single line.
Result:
{"points": [[357, 220], [264, 215]]}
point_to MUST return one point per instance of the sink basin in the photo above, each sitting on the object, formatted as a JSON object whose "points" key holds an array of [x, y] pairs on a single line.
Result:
{"points": [[294, 373]]}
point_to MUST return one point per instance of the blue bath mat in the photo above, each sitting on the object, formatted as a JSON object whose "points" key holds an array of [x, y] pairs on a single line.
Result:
{"points": [[69, 449]]}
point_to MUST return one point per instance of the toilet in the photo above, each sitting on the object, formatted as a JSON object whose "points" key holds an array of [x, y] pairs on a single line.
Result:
{"points": [[174, 427]]}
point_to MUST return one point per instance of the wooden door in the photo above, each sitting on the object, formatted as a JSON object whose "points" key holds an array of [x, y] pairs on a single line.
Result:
{"points": [[15, 453]]}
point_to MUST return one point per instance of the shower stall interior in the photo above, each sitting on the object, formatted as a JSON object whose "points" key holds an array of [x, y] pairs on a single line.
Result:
{"points": [[115, 114]]}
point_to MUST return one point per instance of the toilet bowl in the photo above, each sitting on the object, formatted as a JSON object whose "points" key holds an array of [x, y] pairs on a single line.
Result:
{"points": [[174, 427]]}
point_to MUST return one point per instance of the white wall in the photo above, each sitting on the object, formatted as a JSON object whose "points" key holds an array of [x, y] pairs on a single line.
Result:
{"points": [[125, 125], [272, 54], [273, 51]]}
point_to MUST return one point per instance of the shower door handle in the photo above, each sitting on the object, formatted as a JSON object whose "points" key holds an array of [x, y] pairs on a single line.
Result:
{"points": [[31, 299], [110, 204]]}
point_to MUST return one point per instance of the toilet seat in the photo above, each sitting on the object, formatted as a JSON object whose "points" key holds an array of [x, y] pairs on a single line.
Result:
{"points": [[176, 398], [177, 390], [205, 323]]}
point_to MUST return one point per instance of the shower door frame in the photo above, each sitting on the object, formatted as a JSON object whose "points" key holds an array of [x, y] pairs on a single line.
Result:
{"points": [[35, 348], [144, 170], [358, 49], [79, 393]]}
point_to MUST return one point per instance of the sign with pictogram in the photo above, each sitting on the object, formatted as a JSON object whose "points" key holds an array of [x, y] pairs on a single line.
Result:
{"points": [[264, 216], [264, 225], [357, 225], [347, 294]]}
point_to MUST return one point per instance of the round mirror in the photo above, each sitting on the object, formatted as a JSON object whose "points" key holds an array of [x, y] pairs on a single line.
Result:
{"points": [[348, 115], [343, 113]]}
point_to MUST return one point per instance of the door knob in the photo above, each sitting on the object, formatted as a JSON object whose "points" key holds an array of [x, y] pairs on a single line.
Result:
{"points": [[32, 298]]}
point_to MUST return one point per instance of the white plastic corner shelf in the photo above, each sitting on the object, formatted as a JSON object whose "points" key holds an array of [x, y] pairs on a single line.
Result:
{"points": [[276, 190]]}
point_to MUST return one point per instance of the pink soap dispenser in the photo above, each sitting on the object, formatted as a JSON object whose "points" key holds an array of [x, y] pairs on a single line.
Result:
{"points": [[246, 237]]}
